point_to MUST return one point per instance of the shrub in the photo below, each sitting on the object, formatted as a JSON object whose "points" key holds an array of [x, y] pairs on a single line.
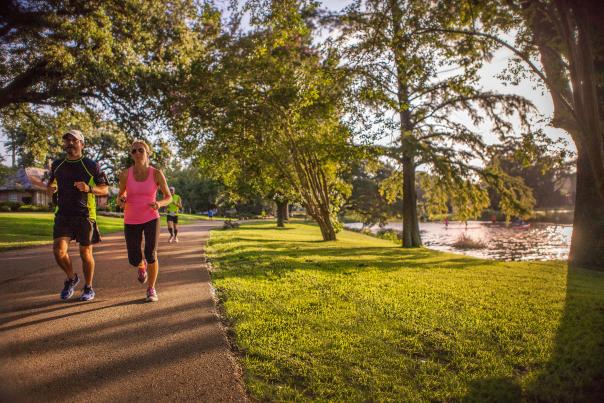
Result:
{"points": [[487, 214], [554, 216], [109, 213], [390, 234], [5, 209], [29, 207], [466, 242], [13, 206], [229, 224]]}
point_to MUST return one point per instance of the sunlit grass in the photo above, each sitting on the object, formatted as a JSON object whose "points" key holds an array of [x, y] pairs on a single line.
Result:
{"points": [[361, 319], [191, 218], [30, 229], [19, 230]]}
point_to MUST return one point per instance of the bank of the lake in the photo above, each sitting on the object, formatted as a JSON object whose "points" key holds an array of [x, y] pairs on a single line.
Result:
{"points": [[361, 319], [534, 241]]}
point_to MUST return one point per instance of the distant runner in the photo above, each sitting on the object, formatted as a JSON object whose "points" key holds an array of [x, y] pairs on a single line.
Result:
{"points": [[172, 215], [77, 180]]}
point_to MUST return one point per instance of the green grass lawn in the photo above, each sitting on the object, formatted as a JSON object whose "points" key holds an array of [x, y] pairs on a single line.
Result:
{"points": [[190, 218], [361, 319], [29, 229]]}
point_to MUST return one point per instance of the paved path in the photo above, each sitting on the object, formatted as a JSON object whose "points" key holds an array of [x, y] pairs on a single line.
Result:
{"points": [[116, 347]]}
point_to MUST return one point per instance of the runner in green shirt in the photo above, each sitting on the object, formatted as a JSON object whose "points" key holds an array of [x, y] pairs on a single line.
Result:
{"points": [[172, 210]]}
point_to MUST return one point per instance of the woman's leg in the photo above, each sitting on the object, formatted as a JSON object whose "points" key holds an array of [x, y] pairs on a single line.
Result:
{"points": [[151, 240], [134, 242]]}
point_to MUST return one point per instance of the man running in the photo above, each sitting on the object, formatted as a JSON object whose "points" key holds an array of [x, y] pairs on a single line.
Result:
{"points": [[77, 180], [172, 215]]}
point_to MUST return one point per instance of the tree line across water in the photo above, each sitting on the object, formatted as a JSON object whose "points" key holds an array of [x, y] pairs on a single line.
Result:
{"points": [[291, 102]]}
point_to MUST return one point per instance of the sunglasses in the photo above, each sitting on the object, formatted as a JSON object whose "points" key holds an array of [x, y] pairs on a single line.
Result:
{"points": [[135, 150]]}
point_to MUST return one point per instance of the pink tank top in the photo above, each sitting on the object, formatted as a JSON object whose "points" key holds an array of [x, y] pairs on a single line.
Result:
{"points": [[138, 197]]}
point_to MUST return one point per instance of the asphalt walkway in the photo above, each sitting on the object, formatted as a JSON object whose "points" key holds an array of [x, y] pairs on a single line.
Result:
{"points": [[116, 347]]}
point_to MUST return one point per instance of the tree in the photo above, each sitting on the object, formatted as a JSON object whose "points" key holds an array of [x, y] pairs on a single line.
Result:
{"points": [[198, 191], [113, 55], [413, 83], [36, 136], [371, 197], [568, 39], [541, 165], [27, 134], [273, 98]]}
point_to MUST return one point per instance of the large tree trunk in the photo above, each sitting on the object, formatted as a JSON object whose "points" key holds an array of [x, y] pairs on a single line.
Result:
{"points": [[587, 244], [282, 213], [321, 216], [327, 231], [571, 55], [411, 236]]}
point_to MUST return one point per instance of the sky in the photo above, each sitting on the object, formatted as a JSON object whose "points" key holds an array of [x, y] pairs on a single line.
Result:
{"points": [[488, 81]]}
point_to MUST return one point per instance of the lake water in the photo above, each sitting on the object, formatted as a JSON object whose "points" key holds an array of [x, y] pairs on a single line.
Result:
{"points": [[542, 241]]}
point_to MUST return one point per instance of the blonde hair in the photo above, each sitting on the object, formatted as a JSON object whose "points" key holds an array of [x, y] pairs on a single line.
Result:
{"points": [[145, 146]]}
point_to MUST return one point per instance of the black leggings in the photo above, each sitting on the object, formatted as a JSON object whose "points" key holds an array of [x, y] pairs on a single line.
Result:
{"points": [[134, 241]]}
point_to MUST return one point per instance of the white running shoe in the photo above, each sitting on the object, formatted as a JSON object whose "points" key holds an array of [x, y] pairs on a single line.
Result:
{"points": [[176, 239], [171, 239], [151, 295]]}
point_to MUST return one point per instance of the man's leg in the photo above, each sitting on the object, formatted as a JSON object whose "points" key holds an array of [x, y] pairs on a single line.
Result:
{"points": [[87, 263], [62, 258], [175, 223], [171, 229]]}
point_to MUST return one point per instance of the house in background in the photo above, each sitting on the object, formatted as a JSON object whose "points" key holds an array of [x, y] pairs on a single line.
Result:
{"points": [[28, 186]]}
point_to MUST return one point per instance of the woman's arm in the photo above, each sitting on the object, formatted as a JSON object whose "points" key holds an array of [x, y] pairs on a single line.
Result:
{"points": [[121, 199], [160, 179]]}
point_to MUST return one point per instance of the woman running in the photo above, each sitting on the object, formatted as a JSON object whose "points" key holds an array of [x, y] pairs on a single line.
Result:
{"points": [[138, 190]]}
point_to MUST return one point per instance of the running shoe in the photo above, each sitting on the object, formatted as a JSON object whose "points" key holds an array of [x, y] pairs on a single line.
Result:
{"points": [[176, 239], [69, 287], [87, 293], [152, 295], [142, 273], [171, 239]]}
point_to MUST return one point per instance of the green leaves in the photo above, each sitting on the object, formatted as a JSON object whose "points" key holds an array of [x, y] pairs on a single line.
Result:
{"points": [[414, 71], [266, 114]]}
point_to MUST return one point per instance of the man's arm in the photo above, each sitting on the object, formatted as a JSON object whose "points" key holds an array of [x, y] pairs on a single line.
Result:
{"points": [[101, 183], [50, 186], [100, 190], [97, 190]]}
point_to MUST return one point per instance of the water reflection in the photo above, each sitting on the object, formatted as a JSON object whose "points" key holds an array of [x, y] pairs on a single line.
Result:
{"points": [[539, 242]]}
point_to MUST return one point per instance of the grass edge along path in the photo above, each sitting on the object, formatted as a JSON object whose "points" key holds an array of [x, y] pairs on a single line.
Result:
{"points": [[361, 319], [19, 230]]}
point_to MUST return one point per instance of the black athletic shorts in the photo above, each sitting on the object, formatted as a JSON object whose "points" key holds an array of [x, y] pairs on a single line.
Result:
{"points": [[173, 218], [82, 229]]}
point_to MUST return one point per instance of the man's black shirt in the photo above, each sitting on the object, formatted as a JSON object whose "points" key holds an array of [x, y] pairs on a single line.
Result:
{"points": [[70, 201]]}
